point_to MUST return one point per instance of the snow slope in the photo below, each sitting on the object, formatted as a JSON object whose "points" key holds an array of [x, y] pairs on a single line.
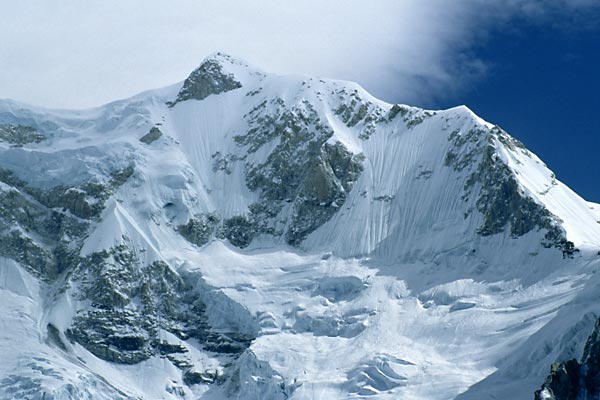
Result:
{"points": [[403, 253]]}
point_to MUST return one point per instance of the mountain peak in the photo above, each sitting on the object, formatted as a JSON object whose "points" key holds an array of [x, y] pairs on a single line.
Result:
{"points": [[224, 59], [218, 248], [216, 74]]}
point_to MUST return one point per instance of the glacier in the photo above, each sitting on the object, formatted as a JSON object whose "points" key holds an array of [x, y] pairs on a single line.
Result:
{"points": [[246, 235]]}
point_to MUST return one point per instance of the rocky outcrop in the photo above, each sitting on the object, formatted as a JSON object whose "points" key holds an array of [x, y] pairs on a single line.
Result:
{"points": [[302, 183], [303, 172], [499, 197], [239, 229], [200, 229], [43, 229], [353, 110], [411, 116], [208, 79], [19, 135], [573, 380], [152, 136], [85, 201], [131, 303], [324, 189]]}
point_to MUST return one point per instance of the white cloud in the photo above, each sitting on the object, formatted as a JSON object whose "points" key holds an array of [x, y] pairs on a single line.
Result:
{"points": [[69, 53]]}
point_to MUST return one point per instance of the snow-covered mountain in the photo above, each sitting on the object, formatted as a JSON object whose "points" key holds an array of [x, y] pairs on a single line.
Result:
{"points": [[253, 236]]}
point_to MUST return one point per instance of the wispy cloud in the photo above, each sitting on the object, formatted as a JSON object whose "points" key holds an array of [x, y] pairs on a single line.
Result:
{"points": [[75, 54]]}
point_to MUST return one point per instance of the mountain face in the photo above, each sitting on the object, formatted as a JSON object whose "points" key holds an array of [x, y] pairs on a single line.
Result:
{"points": [[245, 235]]}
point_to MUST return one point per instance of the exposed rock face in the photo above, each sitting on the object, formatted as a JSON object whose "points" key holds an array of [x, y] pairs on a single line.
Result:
{"points": [[200, 229], [573, 380], [303, 171], [328, 180], [45, 228], [20, 135], [239, 230], [500, 200], [410, 115], [354, 110], [207, 79], [39, 237], [153, 135], [132, 303]]}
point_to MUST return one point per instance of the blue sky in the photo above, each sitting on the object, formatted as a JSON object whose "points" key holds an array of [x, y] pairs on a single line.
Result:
{"points": [[543, 86], [527, 65]]}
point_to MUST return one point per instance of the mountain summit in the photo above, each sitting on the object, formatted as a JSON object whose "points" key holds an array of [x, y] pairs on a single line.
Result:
{"points": [[211, 77], [256, 236]]}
